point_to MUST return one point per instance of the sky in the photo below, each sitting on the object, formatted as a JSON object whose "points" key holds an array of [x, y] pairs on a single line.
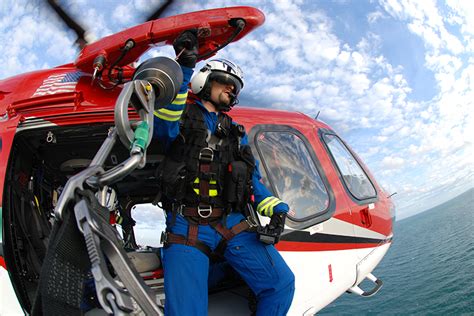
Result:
{"points": [[394, 78]]}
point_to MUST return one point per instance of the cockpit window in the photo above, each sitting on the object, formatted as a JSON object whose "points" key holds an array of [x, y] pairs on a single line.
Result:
{"points": [[352, 173], [293, 173]]}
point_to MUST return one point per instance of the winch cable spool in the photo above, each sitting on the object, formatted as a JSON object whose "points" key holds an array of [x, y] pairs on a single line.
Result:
{"points": [[156, 83]]}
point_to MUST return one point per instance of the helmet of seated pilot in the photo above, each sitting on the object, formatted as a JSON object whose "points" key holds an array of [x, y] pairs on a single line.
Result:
{"points": [[222, 71]]}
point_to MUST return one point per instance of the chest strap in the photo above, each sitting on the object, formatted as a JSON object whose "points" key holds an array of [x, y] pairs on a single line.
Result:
{"points": [[202, 212], [206, 156]]}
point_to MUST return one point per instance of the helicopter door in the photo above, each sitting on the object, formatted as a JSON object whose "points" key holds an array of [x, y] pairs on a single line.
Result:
{"points": [[367, 209], [311, 246], [362, 193], [371, 224]]}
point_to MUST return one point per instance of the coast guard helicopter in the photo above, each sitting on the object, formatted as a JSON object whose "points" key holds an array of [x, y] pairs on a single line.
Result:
{"points": [[77, 164]]}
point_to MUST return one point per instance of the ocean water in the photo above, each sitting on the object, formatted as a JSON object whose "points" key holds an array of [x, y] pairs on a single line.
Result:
{"points": [[429, 269]]}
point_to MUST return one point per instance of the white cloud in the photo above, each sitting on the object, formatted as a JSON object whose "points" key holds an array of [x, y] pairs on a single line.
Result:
{"points": [[373, 17], [33, 34], [392, 162], [462, 14], [123, 13]]}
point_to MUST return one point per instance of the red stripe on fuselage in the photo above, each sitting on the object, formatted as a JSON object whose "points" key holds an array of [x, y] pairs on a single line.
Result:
{"points": [[2, 262], [314, 246]]}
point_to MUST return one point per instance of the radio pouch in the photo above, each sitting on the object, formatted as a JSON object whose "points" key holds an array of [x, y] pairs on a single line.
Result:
{"points": [[171, 175], [236, 185]]}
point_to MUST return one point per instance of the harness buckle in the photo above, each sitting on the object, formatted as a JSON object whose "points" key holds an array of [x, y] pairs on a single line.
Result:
{"points": [[164, 238], [202, 211], [206, 154], [251, 221], [180, 209]]}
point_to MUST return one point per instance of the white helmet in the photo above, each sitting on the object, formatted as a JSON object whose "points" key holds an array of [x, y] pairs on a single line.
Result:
{"points": [[220, 70]]}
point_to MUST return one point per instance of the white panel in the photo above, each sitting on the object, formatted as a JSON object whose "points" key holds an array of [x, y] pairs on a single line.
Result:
{"points": [[9, 304], [314, 290]]}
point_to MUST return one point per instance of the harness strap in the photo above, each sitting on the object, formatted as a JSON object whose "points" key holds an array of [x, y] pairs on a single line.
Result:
{"points": [[192, 234], [204, 168], [240, 227], [194, 212], [192, 240], [228, 234], [179, 239]]}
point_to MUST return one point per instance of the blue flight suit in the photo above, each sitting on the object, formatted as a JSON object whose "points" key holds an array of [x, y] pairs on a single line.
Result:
{"points": [[186, 268]]}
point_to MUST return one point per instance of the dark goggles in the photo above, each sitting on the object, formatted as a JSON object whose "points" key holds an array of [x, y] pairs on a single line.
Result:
{"points": [[226, 79]]}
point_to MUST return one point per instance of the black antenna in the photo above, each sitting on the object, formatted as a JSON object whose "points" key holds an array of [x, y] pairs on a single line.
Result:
{"points": [[317, 115], [392, 194]]}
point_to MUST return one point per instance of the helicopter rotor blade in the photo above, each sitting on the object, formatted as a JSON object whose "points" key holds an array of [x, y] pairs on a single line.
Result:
{"points": [[81, 33], [160, 10]]}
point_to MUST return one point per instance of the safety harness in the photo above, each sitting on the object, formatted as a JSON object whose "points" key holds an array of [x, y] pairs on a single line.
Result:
{"points": [[213, 171]]}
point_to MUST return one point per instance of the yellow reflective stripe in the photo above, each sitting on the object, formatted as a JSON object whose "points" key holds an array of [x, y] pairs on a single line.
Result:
{"points": [[196, 181], [263, 204], [119, 219], [271, 206], [212, 192], [266, 206], [168, 115], [180, 98]]}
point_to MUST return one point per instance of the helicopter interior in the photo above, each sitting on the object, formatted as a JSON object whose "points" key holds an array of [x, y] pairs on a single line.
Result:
{"points": [[42, 161]]}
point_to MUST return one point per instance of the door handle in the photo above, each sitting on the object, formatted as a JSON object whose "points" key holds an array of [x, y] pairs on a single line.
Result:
{"points": [[365, 217]]}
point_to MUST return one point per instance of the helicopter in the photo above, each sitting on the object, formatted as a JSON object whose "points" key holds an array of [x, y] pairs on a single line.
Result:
{"points": [[79, 127]]}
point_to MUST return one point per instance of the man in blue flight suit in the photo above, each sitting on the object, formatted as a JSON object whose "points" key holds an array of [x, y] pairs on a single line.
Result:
{"points": [[208, 176]]}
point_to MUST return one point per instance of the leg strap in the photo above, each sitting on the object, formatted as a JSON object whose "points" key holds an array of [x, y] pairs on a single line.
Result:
{"points": [[181, 240], [192, 240], [192, 234], [228, 234]]}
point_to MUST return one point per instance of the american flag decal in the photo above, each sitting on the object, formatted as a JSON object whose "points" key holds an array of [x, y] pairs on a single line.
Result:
{"points": [[61, 83]]}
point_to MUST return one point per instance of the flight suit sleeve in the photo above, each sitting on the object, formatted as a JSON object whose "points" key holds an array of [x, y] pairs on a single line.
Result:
{"points": [[264, 202], [166, 119]]}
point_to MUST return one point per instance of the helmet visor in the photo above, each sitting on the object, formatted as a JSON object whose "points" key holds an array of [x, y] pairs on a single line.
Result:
{"points": [[226, 79]]}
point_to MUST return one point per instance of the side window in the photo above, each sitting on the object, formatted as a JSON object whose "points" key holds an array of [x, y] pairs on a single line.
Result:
{"points": [[352, 173], [293, 173]]}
